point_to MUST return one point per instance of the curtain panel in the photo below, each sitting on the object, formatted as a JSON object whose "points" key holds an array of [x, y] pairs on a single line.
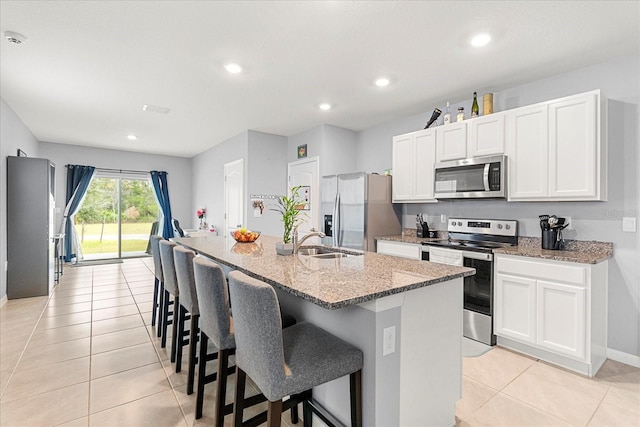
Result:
{"points": [[159, 181], [78, 180]]}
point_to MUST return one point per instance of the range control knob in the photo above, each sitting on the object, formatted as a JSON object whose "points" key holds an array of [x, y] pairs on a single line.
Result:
{"points": [[459, 223], [499, 226], [507, 226], [453, 223]]}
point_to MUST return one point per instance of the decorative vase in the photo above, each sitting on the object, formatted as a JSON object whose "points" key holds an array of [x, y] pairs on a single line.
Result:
{"points": [[284, 248], [203, 224]]}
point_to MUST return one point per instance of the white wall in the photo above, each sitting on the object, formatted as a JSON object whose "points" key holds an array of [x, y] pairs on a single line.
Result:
{"points": [[13, 135], [177, 168], [619, 82], [208, 179], [336, 147]]}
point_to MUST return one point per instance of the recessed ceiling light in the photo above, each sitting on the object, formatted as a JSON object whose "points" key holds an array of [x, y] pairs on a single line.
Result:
{"points": [[15, 38], [233, 68], [132, 137], [480, 40], [382, 82], [155, 109], [324, 106]]}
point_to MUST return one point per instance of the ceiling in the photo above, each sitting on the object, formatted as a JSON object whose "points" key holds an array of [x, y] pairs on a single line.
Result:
{"points": [[88, 67]]}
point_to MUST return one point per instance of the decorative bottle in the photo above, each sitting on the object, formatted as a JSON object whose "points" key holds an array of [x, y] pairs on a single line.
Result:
{"points": [[447, 115], [474, 107], [460, 115]]}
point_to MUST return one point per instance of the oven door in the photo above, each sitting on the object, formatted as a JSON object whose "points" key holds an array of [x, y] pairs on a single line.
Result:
{"points": [[478, 289]]}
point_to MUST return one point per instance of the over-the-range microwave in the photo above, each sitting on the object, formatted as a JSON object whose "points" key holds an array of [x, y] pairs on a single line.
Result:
{"points": [[479, 177]]}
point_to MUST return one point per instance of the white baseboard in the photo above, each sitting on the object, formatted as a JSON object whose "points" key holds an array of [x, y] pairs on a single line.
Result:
{"points": [[3, 301], [626, 358]]}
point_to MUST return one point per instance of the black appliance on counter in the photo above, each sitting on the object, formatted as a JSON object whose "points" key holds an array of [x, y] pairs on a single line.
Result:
{"points": [[470, 244]]}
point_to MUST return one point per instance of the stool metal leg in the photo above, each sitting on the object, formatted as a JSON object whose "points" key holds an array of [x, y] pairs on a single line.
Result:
{"points": [[179, 339], [223, 364], [201, 375], [241, 379], [355, 382], [160, 308], [156, 289], [165, 318], [193, 342], [174, 328]]}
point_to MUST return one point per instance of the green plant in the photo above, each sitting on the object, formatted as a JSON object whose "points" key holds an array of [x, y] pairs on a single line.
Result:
{"points": [[290, 208]]}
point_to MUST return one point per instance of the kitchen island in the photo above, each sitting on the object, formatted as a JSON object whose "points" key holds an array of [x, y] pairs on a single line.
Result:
{"points": [[405, 315]]}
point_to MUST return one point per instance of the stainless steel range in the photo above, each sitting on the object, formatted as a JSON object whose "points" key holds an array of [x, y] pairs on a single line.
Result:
{"points": [[470, 244]]}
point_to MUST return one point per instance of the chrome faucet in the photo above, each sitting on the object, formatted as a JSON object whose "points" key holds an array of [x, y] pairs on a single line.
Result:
{"points": [[297, 244]]}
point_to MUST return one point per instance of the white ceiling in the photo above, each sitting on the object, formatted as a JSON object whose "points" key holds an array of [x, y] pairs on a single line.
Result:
{"points": [[88, 67]]}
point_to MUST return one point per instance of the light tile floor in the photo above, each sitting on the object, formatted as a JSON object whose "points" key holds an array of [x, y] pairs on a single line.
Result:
{"points": [[89, 357]]}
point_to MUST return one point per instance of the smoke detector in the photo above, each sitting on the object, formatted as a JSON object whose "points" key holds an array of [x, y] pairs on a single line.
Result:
{"points": [[15, 38]]}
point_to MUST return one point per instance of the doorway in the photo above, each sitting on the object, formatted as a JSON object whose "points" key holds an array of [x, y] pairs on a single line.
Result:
{"points": [[233, 195], [306, 173], [116, 217]]}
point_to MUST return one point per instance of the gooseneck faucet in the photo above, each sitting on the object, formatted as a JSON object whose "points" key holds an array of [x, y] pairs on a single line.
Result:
{"points": [[297, 244]]}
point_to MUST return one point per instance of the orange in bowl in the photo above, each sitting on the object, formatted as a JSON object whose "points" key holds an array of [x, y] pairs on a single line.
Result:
{"points": [[242, 235]]}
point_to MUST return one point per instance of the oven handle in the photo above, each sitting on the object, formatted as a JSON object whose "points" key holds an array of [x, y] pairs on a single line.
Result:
{"points": [[477, 255]]}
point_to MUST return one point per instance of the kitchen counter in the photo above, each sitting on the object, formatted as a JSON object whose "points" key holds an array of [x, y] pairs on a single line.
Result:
{"points": [[329, 283], [584, 252], [415, 305], [580, 251]]}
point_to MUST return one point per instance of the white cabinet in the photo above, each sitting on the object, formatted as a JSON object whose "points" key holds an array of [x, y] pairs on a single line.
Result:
{"points": [[556, 151], [413, 158], [482, 136], [451, 142], [486, 135], [401, 249], [552, 310], [515, 301]]}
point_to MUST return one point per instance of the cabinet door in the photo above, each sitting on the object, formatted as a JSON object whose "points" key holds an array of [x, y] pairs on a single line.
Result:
{"points": [[573, 148], [404, 161], [561, 325], [486, 136], [424, 159], [515, 311], [451, 142], [527, 150]]}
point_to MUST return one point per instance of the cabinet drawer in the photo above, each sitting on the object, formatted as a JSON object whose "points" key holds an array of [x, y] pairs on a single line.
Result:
{"points": [[406, 250], [544, 270]]}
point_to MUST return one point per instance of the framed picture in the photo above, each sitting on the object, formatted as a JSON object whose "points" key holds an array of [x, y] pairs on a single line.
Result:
{"points": [[302, 151]]}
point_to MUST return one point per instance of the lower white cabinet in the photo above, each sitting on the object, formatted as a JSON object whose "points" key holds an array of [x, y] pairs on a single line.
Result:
{"points": [[401, 249], [552, 310]]}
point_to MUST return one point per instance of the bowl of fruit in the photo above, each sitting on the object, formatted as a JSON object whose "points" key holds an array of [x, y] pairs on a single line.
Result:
{"points": [[242, 235]]}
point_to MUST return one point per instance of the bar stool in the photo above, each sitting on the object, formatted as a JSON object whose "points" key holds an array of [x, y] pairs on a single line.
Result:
{"points": [[158, 283], [188, 310], [216, 324], [286, 362], [170, 289]]}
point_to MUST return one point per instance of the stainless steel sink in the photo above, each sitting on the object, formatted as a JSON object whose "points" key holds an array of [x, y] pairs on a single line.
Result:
{"points": [[323, 252]]}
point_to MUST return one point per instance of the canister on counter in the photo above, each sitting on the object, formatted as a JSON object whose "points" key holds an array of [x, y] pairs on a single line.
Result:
{"points": [[487, 104]]}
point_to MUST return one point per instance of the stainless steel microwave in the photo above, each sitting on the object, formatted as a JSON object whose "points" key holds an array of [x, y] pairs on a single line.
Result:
{"points": [[479, 177]]}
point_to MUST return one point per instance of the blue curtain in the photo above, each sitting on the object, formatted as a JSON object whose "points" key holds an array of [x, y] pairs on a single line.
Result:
{"points": [[78, 180], [159, 181]]}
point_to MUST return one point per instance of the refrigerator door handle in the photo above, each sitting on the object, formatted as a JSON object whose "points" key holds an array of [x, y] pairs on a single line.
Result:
{"points": [[336, 221]]}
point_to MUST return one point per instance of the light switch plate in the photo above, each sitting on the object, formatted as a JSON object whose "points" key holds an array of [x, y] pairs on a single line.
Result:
{"points": [[629, 224]]}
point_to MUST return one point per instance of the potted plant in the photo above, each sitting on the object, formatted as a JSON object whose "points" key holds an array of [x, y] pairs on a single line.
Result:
{"points": [[289, 208]]}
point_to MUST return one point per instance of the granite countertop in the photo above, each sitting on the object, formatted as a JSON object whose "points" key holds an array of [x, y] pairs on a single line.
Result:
{"points": [[330, 283], [409, 236], [580, 251]]}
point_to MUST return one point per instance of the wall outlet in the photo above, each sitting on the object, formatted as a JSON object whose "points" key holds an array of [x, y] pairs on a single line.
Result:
{"points": [[629, 224], [388, 340], [443, 218]]}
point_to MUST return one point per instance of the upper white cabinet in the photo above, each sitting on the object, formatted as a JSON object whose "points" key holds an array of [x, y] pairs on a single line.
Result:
{"points": [[451, 142], [482, 136], [413, 157], [486, 136], [555, 150]]}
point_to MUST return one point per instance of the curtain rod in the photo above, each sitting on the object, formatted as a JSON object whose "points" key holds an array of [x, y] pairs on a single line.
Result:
{"points": [[118, 170]]}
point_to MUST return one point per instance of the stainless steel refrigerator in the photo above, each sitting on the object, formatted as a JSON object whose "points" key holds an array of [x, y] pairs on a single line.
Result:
{"points": [[355, 208]]}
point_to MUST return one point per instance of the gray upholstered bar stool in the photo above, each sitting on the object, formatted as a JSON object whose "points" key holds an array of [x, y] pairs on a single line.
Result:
{"points": [[158, 283], [215, 325], [286, 362], [169, 314], [188, 308]]}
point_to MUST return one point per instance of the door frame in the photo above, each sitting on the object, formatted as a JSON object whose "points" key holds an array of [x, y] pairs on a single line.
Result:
{"points": [[315, 194]]}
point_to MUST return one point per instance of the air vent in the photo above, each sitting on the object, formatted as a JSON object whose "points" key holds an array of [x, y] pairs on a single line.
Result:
{"points": [[15, 38], [155, 109]]}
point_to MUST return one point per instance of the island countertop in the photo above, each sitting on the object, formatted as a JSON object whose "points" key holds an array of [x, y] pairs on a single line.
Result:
{"points": [[329, 283]]}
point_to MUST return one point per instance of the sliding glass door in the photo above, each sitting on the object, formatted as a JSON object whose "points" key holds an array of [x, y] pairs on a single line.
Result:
{"points": [[116, 216]]}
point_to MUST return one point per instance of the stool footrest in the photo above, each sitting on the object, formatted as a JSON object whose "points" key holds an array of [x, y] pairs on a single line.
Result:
{"points": [[323, 414]]}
